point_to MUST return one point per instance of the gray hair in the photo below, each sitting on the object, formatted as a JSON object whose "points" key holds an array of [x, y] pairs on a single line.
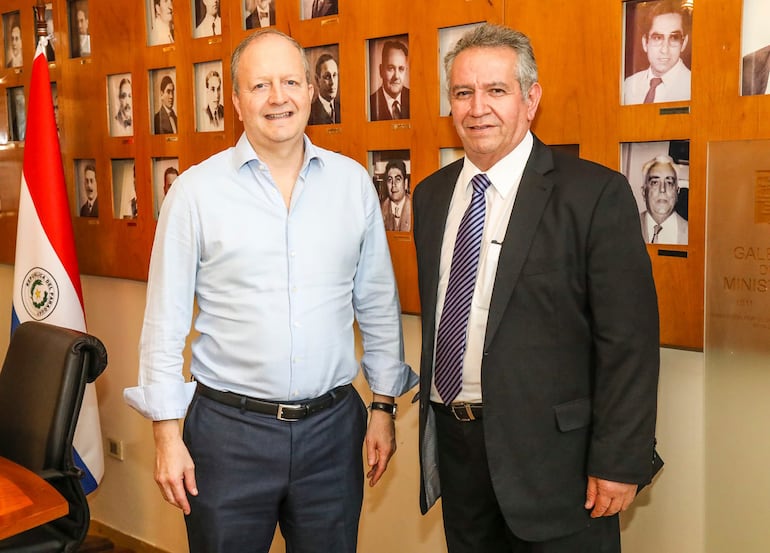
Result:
{"points": [[658, 160], [236, 57], [488, 35]]}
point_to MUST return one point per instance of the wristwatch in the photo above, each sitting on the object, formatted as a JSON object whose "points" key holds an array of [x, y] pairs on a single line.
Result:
{"points": [[382, 406]]}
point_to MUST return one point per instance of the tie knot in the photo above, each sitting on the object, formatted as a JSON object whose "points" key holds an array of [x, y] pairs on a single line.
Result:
{"points": [[655, 81], [480, 183]]}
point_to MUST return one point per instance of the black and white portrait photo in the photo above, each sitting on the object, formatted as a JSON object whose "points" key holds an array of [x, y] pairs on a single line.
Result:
{"points": [[391, 175], [207, 18], [389, 78], [162, 96], [659, 175], [87, 189], [755, 48], [160, 22], [324, 65], [124, 189], [12, 34], [165, 170], [80, 34], [210, 110], [121, 104], [258, 14], [311, 9], [17, 113]]}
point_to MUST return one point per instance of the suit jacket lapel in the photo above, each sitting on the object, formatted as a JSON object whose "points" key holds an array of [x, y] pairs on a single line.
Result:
{"points": [[531, 199]]}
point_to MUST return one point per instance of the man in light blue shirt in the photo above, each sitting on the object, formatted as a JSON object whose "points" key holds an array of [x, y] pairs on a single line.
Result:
{"points": [[282, 244]]}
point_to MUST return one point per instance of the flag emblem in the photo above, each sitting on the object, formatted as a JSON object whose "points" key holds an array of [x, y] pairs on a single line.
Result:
{"points": [[40, 293]]}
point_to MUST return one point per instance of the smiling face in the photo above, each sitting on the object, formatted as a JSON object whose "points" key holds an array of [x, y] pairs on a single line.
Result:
{"points": [[490, 114], [664, 43], [660, 191], [272, 95], [328, 80], [393, 71]]}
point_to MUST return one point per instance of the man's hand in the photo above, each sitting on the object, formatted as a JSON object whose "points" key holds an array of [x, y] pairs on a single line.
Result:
{"points": [[608, 498], [174, 468], [380, 441]]}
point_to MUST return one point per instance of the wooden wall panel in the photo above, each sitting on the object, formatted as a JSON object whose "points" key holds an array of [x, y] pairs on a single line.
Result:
{"points": [[578, 46]]}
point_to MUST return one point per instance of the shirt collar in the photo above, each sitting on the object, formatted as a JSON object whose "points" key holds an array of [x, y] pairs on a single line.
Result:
{"points": [[244, 153], [506, 173]]}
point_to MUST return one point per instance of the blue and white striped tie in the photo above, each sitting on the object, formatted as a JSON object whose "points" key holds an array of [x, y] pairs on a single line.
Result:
{"points": [[453, 325]]}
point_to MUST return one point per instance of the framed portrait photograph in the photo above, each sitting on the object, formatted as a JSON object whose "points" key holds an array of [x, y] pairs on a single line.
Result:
{"points": [[207, 18], [258, 14], [310, 9], [162, 97], [391, 175], [165, 170], [87, 188], [324, 65], [447, 38], [755, 48], [80, 36], [120, 105], [659, 175], [209, 109], [17, 113], [656, 52], [124, 189], [12, 44], [388, 70], [160, 22]]}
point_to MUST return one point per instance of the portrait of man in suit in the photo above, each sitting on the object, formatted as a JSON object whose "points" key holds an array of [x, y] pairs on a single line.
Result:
{"points": [[397, 204], [755, 48], [90, 206], [122, 123], [208, 19], [81, 36], [13, 51], [325, 109], [17, 113], [540, 340], [213, 113], [259, 13], [160, 24], [165, 121], [391, 99], [661, 224], [663, 29], [319, 8]]}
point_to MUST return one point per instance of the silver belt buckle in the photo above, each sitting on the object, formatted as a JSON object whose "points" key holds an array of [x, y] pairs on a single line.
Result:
{"points": [[282, 407]]}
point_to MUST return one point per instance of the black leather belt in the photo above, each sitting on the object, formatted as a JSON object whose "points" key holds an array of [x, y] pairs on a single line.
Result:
{"points": [[281, 411], [464, 412]]}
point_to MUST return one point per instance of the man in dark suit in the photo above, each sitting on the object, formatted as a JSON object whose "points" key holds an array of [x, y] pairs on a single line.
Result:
{"points": [[325, 109], [324, 8], [214, 112], [756, 69], [391, 100], [90, 207], [540, 351], [165, 118], [262, 14]]}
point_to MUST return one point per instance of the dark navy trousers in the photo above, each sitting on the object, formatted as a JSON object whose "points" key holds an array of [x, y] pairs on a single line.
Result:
{"points": [[254, 471]]}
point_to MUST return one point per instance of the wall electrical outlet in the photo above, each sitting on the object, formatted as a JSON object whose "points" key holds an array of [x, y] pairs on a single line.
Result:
{"points": [[115, 448]]}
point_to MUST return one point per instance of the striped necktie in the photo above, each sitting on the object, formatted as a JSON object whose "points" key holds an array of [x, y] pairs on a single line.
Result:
{"points": [[453, 325]]}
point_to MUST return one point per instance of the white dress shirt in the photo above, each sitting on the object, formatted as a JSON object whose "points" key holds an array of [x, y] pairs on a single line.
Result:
{"points": [[674, 88]]}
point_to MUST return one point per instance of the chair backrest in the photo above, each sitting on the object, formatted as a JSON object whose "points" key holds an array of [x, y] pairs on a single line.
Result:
{"points": [[42, 384]]}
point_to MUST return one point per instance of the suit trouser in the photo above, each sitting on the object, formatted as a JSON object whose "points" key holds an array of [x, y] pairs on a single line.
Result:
{"points": [[253, 471], [473, 522]]}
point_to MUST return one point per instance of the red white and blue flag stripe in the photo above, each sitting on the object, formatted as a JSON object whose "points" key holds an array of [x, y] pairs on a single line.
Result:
{"points": [[46, 279]]}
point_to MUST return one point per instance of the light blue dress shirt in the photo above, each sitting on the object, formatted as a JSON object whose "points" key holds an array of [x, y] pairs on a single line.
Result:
{"points": [[277, 290]]}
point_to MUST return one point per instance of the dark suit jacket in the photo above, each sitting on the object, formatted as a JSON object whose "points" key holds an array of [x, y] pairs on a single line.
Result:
{"points": [[84, 212], [252, 22], [756, 68], [319, 116], [378, 106], [163, 122], [571, 352], [327, 7]]}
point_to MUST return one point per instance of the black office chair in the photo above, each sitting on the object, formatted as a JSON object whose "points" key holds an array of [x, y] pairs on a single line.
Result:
{"points": [[42, 385]]}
